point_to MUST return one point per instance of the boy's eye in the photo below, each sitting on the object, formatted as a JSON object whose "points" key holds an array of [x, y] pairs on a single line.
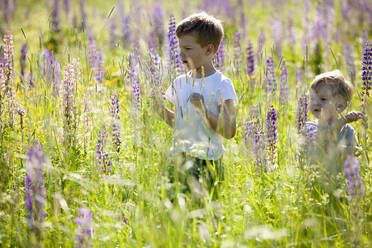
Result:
{"points": [[323, 99]]}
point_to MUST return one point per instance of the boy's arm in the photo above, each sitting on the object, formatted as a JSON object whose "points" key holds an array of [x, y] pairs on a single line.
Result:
{"points": [[224, 122], [166, 114]]}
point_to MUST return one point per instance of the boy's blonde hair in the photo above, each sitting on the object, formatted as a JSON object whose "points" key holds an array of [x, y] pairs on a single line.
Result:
{"points": [[336, 81], [206, 28]]}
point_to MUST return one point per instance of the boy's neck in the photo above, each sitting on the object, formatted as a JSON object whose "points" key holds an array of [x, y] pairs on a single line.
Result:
{"points": [[208, 70]]}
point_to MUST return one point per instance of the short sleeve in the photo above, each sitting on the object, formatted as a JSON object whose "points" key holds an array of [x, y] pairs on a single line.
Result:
{"points": [[346, 138], [227, 92], [170, 94]]}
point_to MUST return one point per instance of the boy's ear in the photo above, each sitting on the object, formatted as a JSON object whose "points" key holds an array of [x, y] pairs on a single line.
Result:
{"points": [[210, 49], [341, 106]]}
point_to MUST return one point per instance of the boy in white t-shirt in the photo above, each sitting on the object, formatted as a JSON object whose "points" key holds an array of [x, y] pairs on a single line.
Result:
{"points": [[204, 101]]}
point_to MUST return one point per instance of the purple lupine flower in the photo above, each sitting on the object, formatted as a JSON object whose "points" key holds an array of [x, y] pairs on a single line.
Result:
{"points": [[71, 78], [66, 6], [34, 188], [252, 123], [92, 51], [6, 10], [260, 44], [283, 96], [100, 74], [158, 19], [103, 159], [126, 35], [74, 21], [136, 91], [112, 34], [367, 69], [123, 215], [174, 56], [345, 9], [250, 59], [2, 78], [320, 24], [55, 17], [83, 15], [83, 230], [51, 69], [237, 51], [220, 54], [116, 125], [355, 185], [306, 26], [254, 135], [299, 80], [349, 61], [278, 31], [154, 66], [310, 132], [124, 218], [22, 59], [133, 79], [8, 54], [292, 31], [270, 75], [271, 136], [302, 112]]}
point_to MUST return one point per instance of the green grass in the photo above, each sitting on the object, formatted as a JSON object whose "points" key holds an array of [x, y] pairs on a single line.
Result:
{"points": [[297, 205]]}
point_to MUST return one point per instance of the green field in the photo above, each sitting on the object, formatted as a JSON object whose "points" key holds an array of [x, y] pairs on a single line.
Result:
{"points": [[61, 100]]}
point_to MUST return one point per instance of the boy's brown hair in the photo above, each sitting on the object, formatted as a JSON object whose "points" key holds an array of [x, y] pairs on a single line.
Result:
{"points": [[336, 81], [206, 28]]}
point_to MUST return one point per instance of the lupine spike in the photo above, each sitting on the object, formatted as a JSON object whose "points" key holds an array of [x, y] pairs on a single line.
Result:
{"points": [[112, 34], [8, 57], [219, 58], [116, 125], [83, 229], [271, 134], [367, 69], [283, 96], [71, 78], [174, 57], [250, 59], [103, 159], [55, 17], [302, 113], [22, 59], [349, 61], [100, 73], [237, 51], [34, 189], [83, 15], [355, 184], [270, 75], [66, 6], [254, 135], [158, 19], [260, 44]]}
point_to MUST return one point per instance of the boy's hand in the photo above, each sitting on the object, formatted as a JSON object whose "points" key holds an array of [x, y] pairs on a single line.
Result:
{"points": [[197, 100], [352, 116], [157, 99]]}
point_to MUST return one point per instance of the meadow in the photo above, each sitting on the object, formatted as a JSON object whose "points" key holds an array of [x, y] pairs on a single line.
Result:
{"points": [[84, 158]]}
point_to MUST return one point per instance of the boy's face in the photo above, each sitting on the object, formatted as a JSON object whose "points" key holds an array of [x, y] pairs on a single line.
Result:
{"points": [[324, 104], [192, 54]]}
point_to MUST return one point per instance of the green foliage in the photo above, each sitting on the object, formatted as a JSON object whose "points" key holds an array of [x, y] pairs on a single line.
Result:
{"points": [[302, 203]]}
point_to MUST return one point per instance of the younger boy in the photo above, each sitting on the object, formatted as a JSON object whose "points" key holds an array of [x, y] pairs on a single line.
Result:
{"points": [[204, 101], [330, 94]]}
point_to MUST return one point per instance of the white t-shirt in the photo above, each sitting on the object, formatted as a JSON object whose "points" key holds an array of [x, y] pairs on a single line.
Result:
{"points": [[192, 133]]}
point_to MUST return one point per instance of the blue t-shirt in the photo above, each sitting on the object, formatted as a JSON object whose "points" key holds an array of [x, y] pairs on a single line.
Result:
{"points": [[345, 139]]}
